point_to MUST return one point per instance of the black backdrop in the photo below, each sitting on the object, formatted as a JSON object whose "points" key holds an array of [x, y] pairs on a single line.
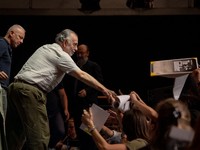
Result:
{"points": [[122, 45]]}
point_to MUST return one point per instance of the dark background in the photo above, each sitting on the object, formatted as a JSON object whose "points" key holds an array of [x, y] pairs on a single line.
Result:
{"points": [[122, 45]]}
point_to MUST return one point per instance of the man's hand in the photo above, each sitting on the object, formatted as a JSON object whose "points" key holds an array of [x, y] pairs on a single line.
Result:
{"points": [[67, 115], [110, 95], [82, 93], [3, 76]]}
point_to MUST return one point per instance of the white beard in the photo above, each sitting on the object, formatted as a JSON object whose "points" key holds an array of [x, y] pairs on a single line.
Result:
{"points": [[69, 51]]}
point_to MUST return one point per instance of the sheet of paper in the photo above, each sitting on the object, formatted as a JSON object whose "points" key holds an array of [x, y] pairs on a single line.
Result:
{"points": [[123, 103], [181, 134], [99, 118], [178, 85]]}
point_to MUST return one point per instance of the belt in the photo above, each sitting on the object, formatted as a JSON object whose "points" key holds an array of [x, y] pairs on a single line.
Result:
{"points": [[35, 85]]}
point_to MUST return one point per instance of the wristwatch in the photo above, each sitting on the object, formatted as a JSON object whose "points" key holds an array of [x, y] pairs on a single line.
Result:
{"points": [[90, 129]]}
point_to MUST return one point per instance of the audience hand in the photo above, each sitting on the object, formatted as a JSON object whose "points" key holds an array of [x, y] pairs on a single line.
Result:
{"points": [[87, 117], [134, 97], [112, 117], [120, 92], [112, 113]]}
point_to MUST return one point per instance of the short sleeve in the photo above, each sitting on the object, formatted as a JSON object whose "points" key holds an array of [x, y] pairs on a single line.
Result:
{"points": [[66, 64], [136, 144], [117, 136]]}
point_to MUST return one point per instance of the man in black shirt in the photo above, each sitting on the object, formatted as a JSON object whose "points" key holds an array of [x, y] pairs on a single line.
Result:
{"points": [[85, 96]]}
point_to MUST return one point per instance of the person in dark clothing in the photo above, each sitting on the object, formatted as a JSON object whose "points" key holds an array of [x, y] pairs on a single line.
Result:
{"points": [[13, 38], [85, 96], [56, 103], [70, 142]]}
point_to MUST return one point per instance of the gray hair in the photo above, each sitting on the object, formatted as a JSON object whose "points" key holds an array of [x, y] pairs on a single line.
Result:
{"points": [[14, 27], [65, 34]]}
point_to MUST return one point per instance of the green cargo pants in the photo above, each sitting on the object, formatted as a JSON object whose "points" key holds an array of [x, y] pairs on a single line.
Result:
{"points": [[26, 117]]}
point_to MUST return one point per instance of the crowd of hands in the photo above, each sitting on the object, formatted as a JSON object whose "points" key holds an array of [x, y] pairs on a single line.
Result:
{"points": [[116, 115], [87, 117]]}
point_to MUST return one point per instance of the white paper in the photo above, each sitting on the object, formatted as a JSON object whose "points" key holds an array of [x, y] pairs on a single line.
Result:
{"points": [[181, 134], [99, 118], [178, 85], [123, 103]]}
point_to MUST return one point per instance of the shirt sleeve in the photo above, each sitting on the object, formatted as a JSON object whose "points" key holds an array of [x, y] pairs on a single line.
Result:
{"points": [[136, 144], [66, 64], [117, 136], [60, 85]]}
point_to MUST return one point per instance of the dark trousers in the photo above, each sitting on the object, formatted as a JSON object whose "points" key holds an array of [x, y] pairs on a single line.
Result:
{"points": [[26, 118], [57, 128]]}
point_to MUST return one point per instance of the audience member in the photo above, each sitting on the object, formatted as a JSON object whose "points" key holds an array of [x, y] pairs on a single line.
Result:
{"points": [[191, 86], [84, 95], [13, 38], [71, 141], [27, 116], [149, 112], [55, 99], [195, 144], [172, 113], [193, 104], [169, 113], [115, 118], [113, 127], [190, 95], [137, 103], [134, 127]]}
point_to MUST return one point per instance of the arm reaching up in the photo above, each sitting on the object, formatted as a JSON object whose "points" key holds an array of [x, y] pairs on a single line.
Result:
{"points": [[145, 109], [87, 119]]}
